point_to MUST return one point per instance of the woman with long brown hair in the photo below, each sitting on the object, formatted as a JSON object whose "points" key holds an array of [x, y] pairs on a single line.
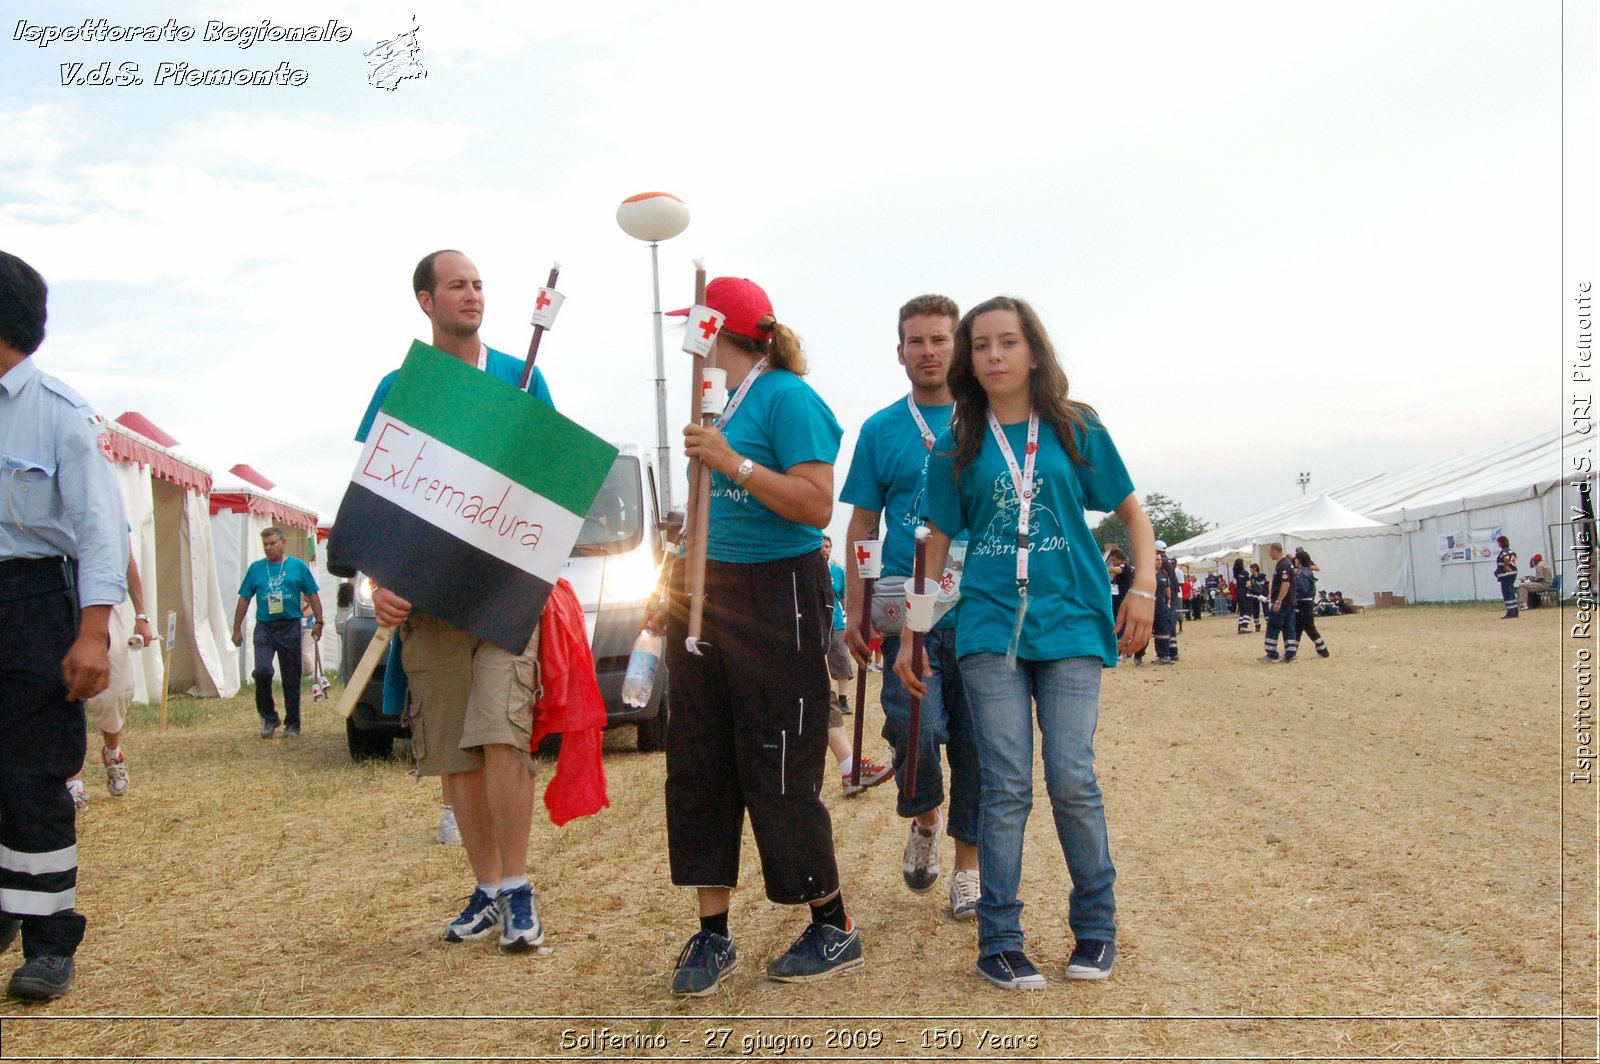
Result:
{"points": [[1018, 467]]}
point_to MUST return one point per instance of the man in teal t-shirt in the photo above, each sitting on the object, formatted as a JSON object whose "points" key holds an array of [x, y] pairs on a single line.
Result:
{"points": [[276, 582], [887, 480]]}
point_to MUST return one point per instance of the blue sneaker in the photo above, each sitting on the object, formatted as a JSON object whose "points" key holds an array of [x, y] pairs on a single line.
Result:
{"points": [[1010, 970], [480, 919], [520, 929], [1092, 958], [820, 951], [705, 959]]}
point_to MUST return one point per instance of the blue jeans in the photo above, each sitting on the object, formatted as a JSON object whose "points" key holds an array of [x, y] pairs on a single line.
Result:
{"points": [[280, 639], [946, 720], [1066, 693], [1283, 621]]}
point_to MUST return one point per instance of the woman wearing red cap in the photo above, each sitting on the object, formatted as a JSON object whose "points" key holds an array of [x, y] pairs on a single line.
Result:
{"points": [[749, 724], [1529, 588]]}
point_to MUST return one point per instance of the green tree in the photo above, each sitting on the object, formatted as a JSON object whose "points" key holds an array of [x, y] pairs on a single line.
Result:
{"points": [[1111, 532], [1172, 523]]}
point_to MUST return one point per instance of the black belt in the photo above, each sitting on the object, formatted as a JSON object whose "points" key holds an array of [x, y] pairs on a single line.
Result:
{"points": [[22, 578]]}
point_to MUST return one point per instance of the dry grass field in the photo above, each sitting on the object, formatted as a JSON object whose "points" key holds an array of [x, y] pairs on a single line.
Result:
{"points": [[1373, 856]]}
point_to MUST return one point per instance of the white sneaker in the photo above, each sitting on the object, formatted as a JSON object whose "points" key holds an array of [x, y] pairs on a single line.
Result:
{"points": [[964, 892], [116, 774], [921, 865], [449, 834], [80, 797]]}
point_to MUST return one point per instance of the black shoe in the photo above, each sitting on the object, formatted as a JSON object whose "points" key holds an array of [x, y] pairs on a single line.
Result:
{"points": [[1322, 652], [705, 959], [844, 704], [9, 926], [45, 977], [291, 731], [267, 729]]}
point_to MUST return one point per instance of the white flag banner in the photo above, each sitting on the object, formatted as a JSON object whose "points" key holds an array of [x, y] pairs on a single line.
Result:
{"points": [[546, 307], [701, 332]]}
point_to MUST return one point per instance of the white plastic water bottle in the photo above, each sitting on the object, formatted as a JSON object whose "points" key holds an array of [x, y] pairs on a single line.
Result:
{"points": [[642, 664]]}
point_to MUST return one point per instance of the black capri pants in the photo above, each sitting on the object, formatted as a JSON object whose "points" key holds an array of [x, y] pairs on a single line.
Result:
{"points": [[749, 729]]}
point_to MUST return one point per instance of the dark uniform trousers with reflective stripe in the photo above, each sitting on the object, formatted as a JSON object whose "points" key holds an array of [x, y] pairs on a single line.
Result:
{"points": [[42, 743]]}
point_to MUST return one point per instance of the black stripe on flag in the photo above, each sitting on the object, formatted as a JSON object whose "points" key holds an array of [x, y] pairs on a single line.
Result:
{"points": [[442, 575]]}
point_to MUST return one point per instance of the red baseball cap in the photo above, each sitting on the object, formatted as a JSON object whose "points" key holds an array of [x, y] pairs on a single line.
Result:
{"points": [[742, 303]]}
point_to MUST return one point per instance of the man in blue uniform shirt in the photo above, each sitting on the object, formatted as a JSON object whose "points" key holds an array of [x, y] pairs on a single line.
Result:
{"points": [[63, 560]]}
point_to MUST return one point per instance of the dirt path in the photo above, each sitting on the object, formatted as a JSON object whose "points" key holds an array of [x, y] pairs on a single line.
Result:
{"points": [[1359, 857]]}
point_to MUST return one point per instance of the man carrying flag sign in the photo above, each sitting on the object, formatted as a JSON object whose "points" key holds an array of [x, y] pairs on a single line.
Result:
{"points": [[457, 503]]}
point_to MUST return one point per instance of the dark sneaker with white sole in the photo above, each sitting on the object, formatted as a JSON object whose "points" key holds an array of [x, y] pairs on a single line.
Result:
{"points": [[520, 929], [820, 951], [480, 919], [1010, 970], [1092, 958], [44, 977], [705, 959]]}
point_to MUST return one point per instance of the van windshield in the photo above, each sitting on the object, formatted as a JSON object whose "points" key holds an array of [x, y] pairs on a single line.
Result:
{"points": [[614, 523]]}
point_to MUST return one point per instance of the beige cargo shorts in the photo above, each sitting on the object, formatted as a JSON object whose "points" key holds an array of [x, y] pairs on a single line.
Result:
{"points": [[466, 693]]}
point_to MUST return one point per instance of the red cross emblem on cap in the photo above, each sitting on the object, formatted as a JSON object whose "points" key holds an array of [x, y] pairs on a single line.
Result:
{"points": [[708, 328], [542, 302]]}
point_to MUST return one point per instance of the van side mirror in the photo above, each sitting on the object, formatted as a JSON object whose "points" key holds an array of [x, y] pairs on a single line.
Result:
{"points": [[672, 527]]}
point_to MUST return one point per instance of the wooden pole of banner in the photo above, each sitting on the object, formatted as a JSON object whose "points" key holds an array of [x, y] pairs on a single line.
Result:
{"points": [[698, 507], [166, 671], [867, 584], [376, 649], [167, 644], [914, 728], [538, 333]]}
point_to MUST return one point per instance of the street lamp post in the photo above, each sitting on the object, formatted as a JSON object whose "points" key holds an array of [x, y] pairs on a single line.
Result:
{"points": [[1303, 479], [654, 217]]}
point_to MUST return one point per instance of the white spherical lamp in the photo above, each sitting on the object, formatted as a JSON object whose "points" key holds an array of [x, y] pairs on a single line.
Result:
{"points": [[653, 216]]}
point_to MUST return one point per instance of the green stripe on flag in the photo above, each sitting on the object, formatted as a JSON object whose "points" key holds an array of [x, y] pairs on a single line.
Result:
{"points": [[499, 425]]}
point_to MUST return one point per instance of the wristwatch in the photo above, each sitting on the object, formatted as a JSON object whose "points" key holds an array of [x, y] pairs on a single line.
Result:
{"points": [[744, 472]]}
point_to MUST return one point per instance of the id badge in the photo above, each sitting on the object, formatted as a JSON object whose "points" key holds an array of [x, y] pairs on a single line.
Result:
{"points": [[274, 602]]}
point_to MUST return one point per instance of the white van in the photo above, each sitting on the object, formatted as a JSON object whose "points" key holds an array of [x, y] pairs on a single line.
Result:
{"points": [[613, 570]]}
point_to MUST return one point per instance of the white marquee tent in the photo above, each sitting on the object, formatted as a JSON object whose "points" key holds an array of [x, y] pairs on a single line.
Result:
{"points": [[1423, 532], [164, 497]]}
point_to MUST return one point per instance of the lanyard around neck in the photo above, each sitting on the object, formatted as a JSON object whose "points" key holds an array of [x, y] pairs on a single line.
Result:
{"points": [[738, 397], [1022, 481], [922, 424]]}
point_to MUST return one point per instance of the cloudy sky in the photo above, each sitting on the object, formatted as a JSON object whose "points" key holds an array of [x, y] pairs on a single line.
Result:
{"points": [[1266, 237]]}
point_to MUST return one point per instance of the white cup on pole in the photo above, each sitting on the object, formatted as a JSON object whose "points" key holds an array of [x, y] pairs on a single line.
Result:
{"points": [[714, 390], [869, 558], [920, 609]]}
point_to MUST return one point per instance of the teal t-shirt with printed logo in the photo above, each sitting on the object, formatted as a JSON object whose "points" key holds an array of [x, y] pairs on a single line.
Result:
{"points": [[780, 423], [277, 587], [1069, 612], [888, 475]]}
